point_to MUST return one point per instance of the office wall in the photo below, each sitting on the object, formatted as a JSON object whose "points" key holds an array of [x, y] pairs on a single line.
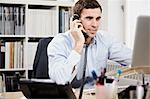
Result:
{"points": [[119, 17], [133, 9], [113, 18]]}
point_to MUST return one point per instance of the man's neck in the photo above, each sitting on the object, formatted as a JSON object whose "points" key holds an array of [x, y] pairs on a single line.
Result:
{"points": [[88, 40]]}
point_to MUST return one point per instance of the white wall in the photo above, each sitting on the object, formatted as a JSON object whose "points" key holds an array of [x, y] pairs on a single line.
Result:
{"points": [[122, 24], [104, 19], [116, 18], [112, 18], [133, 9]]}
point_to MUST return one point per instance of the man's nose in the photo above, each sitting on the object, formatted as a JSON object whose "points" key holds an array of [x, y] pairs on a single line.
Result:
{"points": [[94, 23]]}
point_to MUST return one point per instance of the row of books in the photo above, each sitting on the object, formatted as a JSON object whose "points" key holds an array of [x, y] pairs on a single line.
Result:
{"points": [[9, 81], [12, 20], [64, 19], [42, 21], [11, 55]]}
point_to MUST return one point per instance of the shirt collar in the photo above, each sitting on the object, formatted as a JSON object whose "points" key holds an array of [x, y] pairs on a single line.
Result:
{"points": [[94, 40]]}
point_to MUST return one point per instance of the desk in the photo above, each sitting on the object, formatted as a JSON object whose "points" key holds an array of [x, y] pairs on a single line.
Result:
{"points": [[12, 95], [19, 95], [87, 93]]}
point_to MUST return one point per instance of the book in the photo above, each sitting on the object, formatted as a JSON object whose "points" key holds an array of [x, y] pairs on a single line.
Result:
{"points": [[1, 86], [11, 83], [2, 54], [1, 15], [14, 55], [16, 20], [61, 20], [11, 20], [6, 23], [64, 19], [22, 20]]}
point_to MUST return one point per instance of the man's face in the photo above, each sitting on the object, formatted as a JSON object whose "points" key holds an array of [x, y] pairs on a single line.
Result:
{"points": [[90, 19]]}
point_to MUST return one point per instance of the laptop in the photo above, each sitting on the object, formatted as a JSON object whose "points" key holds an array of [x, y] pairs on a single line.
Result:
{"points": [[141, 51], [140, 60]]}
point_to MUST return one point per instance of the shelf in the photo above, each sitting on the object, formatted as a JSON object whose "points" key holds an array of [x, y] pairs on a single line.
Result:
{"points": [[51, 3], [32, 20], [39, 2], [13, 1], [13, 69], [41, 36], [12, 37], [65, 3], [36, 39], [42, 2]]}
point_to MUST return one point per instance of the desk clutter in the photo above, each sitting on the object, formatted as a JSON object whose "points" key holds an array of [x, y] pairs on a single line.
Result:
{"points": [[133, 83], [118, 87], [108, 91]]}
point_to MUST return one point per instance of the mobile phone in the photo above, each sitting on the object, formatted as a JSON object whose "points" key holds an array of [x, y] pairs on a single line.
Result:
{"points": [[76, 16]]}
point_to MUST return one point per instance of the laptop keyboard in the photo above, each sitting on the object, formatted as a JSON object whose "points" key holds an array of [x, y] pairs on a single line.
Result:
{"points": [[111, 66]]}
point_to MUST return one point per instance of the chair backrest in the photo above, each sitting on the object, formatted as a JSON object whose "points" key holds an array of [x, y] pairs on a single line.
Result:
{"points": [[40, 65]]}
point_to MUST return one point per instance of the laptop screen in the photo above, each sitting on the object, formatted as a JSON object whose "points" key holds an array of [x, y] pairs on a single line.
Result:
{"points": [[141, 51]]}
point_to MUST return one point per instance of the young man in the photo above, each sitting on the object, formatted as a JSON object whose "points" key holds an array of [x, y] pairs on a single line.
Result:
{"points": [[66, 50]]}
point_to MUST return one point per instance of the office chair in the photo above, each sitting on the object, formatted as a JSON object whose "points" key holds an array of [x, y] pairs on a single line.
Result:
{"points": [[40, 65], [34, 89]]}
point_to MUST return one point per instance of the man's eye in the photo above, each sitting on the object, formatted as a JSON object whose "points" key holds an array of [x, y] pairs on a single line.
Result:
{"points": [[98, 18], [89, 18]]}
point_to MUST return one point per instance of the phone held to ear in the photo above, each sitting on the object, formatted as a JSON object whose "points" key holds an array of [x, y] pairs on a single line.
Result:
{"points": [[76, 16]]}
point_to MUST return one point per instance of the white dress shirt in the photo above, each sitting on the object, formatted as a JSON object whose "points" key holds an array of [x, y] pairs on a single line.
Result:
{"points": [[63, 59]]}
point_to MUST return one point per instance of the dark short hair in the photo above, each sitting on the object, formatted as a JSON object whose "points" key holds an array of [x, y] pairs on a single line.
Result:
{"points": [[87, 4]]}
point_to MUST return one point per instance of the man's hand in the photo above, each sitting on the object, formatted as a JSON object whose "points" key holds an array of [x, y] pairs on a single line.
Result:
{"points": [[76, 30]]}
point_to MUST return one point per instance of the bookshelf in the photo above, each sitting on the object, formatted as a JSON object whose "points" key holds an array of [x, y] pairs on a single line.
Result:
{"points": [[23, 23]]}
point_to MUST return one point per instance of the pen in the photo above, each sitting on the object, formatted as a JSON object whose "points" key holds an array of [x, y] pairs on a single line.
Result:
{"points": [[123, 65], [94, 75]]}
